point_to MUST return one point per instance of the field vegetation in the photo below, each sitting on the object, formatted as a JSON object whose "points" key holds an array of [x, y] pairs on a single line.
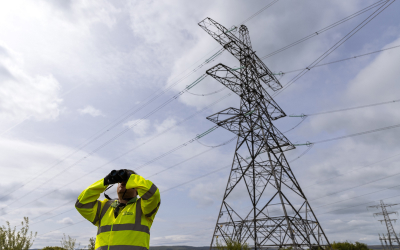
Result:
{"points": [[23, 239]]}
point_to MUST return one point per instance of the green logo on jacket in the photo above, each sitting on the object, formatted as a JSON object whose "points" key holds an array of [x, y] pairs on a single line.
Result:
{"points": [[127, 213]]}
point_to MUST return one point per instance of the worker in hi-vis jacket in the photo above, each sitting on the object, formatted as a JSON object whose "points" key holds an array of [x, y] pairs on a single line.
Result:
{"points": [[123, 223]]}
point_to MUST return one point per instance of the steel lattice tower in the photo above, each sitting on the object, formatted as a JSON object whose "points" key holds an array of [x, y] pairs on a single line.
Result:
{"points": [[280, 214], [391, 235]]}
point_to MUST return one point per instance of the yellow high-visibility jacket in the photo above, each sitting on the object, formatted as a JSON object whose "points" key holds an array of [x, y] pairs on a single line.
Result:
{"points": [[131, 229]]}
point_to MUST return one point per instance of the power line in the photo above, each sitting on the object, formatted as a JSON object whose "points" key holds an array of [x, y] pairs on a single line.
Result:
{"points": [[173, 150], [258, 12], [359, 205], [345, 59], [383, 178], [97, 135], [166, 130], [201, 153], [305, 116], [357, 134], [113, 138], [210, 59], [298, 124], [326, 28], [157, 158], [339, 175], [221, 169], [386, 4], [352, 108], [211, 93], [212, 129], [63, 227], [302, 154], [219, 145], [168, 168], [217, 170], [163, 191], [219, 52], [358, 196], [350, 135]]}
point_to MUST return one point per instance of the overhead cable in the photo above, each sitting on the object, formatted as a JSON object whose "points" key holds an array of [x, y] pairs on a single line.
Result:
{"points": [[357, 134], [348, 136], [211, 93], [386, 4], [114, 124], [304, 116], [155, 159], [210, 130], [298, 124], [339, 175], [69, 202], [358, 196], [179, 185], [328, 212], [96, 136], [107, 142], [219, 145], [302, 154], [163, 191], [326, 28], [121, 120], [345, 109], [345, 59], [364, 184], [258, 12], [363, 204]]}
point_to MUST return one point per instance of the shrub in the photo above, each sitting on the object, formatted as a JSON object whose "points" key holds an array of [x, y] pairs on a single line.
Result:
{"points": [[11, 239], [349, 246], [69, 243], [53, 248], [232, 245], [92, 242]]}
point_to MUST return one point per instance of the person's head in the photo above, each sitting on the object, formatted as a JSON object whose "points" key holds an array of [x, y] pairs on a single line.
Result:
{"points": [[126, 194]]}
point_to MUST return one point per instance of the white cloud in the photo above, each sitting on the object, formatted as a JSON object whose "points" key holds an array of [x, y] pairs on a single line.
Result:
{"points": [[139, 126], [165, 124], [23, 95], [206, 193], [120, 52], [66, 220], [89, 110]]}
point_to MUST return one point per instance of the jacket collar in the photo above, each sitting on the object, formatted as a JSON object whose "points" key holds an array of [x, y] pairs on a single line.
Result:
{"points": [[116, 202]]}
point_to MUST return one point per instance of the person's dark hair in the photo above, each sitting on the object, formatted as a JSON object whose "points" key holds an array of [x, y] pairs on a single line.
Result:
{"points": [[131, 171]]}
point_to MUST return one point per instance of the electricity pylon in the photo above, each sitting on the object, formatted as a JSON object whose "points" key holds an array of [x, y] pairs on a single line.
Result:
{"points": [[391, 235], [280, 214], [383, 239]]}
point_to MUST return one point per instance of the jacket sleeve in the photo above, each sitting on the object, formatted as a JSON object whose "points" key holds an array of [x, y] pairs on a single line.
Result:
{"points": [[88, 205], [149, 194]]}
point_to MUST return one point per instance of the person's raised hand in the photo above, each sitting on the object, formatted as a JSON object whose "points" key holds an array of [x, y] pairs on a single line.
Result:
{"points": [[124, 174], [111, 178]]}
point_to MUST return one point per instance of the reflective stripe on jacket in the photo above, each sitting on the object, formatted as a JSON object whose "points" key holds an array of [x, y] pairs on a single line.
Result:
{"points": [[131, 229]]}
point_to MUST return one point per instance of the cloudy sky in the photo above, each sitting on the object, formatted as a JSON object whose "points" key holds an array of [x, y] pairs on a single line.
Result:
{"points": [[81, 83]]}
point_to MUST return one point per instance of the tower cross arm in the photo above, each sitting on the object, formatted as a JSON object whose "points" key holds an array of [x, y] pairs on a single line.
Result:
{"points": [[241, 49], [382, 213], [234, 80]]}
